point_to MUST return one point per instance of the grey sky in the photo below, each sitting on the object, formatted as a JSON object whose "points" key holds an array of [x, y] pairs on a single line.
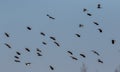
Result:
{"points": [[16, 15]]}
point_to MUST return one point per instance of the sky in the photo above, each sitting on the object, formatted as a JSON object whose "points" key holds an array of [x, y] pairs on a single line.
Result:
{"points": [[16, 15]]}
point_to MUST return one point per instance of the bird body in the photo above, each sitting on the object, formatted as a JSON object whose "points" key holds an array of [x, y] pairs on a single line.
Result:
{"points": [[95, 52], [99, 60], [57, 44], [95, 23], [50, 16], [42, 33], [53, 38], [70, 52], [7, 35], [89, 14], [51, 67], [74, 58], [7, 45], [18, 53], [29, 28], [78, 35], [27, 49], [82, 55]]}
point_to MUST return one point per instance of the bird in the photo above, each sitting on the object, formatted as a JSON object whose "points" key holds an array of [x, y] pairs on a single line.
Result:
{"points": [[51, 67], [99, 60], [50, 16], [37, 49], [82, 55], [18, 53], [27, 64], [95, 23], [70, 52], [17, 60], [98, 6], [29, 28], [16, 57], [44, 43], [89, 14], [84, 9], [57, 44], [100, 30], [6, 34], [53, 38], [113, 41], [7, 45], [78, 35], [39, 54], [95, 52], [81, 25], [27, 49], [42, 33], [74, 58]]}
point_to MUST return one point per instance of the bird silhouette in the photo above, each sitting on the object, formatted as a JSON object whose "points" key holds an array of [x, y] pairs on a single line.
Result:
{"points": [[44, 43], [57, 44], [17, 60], [113, 41], [98, 6], [84, 9], [18, 53], [39, 54], [50, 16], [6, 34], [74, 58], [29, 28], [27, 64], [16, 57], [82, 55], [37, 49], [95, 52], [53, 38], [7, 45], [95, 23], [100, 30], [81, 25], [51, 67], [99, 60], [70, 52], [78, 35], [27, 49], [89, 14], [42, 33]]}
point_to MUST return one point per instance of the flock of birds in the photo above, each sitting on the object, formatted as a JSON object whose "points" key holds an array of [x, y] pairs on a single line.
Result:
{"points": [[39, 52]]}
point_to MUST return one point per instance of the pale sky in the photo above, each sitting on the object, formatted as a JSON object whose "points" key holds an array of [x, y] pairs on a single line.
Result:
{"points": [[16, 15]]}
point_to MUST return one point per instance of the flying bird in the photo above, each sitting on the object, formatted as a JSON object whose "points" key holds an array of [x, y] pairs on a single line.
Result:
{"points": [[7, 45], [39, 54], [29, 28], [98, 6], [27, 64], [95, 52], [100, 30], [16, 57], [74, 58], [42, 33], [6, 34], [50, 16], [53, 38], [17, 60], [100, 61], [89, 14], [51, 67], [78, 35], [27, 49], [70, 52], [84, 9], [81, 25], [37, 49], [113, 41], [18, 53], [44, 43], [57, 44], [82, 55], [95, 23]]}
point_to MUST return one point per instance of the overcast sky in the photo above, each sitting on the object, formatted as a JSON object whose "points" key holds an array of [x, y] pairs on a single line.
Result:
{"points": [[16, 15]]}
